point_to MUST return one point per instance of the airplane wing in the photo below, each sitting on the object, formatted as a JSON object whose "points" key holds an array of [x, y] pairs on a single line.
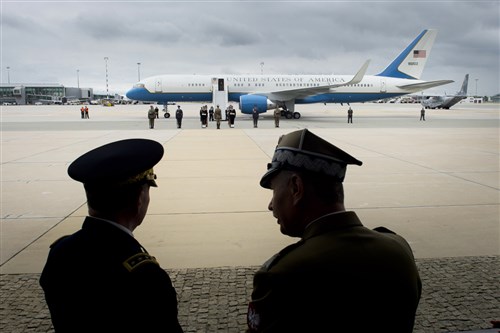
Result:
{"points": [[285, 95], [425, 85]]}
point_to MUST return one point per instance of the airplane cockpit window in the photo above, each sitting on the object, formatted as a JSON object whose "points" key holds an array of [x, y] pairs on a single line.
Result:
{"points": [[139, 85]]}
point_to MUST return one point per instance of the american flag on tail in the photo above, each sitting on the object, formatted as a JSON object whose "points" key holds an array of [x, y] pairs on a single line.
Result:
{"points": [[419, 54]]}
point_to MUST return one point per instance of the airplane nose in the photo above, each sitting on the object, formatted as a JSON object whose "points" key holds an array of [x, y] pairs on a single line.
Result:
{"points": [[135, 93]]}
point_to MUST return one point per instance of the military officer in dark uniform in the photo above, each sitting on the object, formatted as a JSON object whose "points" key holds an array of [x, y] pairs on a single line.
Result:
{"points": [[179, 114], [101, 279], [340, 276]]}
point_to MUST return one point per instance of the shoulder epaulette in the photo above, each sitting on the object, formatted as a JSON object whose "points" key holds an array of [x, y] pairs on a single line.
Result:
{"points": [[139, 259], [384, 230]]}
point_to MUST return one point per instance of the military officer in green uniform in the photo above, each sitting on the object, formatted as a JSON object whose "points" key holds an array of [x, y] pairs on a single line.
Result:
{"points": [[340, 276], [101, 279]]}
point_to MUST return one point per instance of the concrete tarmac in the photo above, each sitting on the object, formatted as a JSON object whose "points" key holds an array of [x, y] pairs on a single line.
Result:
{"points": [[435, 182]]}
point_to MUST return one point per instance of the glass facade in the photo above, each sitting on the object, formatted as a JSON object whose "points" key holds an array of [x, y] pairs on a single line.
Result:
{"points": [[31, 94], [6, 92], [57, 92], [34, 94]]}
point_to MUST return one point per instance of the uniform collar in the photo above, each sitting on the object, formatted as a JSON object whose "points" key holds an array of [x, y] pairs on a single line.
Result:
{"points": [[109, 222], [331, 222]]}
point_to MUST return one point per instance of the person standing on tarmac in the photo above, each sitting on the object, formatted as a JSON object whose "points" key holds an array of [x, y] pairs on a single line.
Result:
{"points": [[204, 116], [211, 113], [349, 115], [422, 114], [218, 116], [178, 115], [255, 116], [151, 117], [277, 115], [232, 116]]}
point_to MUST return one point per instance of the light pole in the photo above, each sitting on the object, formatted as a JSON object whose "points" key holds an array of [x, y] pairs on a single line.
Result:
{"points": [[8, 74], [138, 71], [107, 91], [476, 87], [78, 78]]}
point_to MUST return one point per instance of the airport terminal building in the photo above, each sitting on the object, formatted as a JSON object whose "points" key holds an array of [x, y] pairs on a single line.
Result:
{"points": [[25, 94]]}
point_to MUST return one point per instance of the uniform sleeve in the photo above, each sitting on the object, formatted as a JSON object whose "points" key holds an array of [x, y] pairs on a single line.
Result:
{"points": [[156, 299]]}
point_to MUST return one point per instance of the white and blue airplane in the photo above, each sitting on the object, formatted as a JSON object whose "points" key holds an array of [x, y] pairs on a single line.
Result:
{"points": [[266, 92]]}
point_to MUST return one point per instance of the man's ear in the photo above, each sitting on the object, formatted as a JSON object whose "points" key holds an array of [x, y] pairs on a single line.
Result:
{"points": [[297, 188]]}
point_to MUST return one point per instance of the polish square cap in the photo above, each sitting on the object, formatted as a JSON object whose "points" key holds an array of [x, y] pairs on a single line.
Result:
{"points": [[303, 150]]}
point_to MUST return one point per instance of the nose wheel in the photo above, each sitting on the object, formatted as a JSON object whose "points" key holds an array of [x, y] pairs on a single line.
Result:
{"points": [[165, 109]]}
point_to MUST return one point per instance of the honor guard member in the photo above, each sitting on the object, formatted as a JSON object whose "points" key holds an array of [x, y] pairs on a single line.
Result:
{"points": [[204, 116], [101, 279], [340, 276], [232, 116]]}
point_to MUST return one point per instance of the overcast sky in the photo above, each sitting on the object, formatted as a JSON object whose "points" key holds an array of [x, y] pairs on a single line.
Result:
{"points": [[49, 41]]}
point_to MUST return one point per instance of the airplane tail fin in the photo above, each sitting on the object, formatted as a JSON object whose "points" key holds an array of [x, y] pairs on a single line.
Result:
{"points": [[463, 90], [411, 62]]}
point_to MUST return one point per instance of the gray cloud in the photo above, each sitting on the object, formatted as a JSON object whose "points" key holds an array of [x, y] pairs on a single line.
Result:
{"points": [[49, 41]]}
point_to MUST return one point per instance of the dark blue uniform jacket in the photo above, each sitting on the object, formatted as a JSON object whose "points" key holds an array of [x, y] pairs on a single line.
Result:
{"points": [[100, 279]]}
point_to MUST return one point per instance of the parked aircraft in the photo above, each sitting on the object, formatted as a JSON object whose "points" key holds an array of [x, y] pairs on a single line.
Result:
{"points": [[401, 77], [446, 101]]}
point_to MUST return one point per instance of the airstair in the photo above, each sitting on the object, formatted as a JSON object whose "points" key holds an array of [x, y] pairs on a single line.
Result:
{"points": [[219, 94]]}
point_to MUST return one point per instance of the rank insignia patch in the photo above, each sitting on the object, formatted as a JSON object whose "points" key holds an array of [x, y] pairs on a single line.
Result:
{"points": [[137, 260]]}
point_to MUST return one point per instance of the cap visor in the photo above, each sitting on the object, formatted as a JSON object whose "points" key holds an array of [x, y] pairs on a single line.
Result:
{"points": [[265, 181]]}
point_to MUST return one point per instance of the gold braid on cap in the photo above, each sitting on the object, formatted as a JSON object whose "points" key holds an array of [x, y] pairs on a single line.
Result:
{"points": [[147, 175], [310, 161]]}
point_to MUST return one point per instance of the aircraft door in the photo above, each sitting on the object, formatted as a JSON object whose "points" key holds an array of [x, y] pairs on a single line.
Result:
{"points": [[158, 85], [219, 93], [383, 87], [220, 84]]}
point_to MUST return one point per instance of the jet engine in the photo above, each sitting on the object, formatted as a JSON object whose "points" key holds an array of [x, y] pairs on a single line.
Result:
{"points": [[247, 102]]}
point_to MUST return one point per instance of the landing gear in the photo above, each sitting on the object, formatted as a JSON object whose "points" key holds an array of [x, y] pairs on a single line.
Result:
{"points": [[290, 115], [165, 109]]}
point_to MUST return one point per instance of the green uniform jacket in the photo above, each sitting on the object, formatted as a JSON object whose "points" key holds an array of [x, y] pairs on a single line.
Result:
{"points": [[340, 277], [100, 279]]}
